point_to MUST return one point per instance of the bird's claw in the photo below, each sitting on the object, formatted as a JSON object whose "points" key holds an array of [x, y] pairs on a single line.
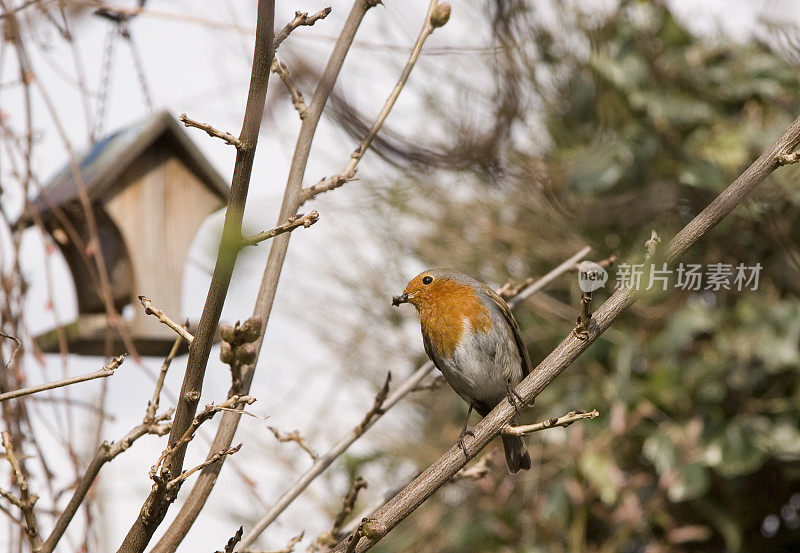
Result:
{"points": [[461, 444], [514, 398]]}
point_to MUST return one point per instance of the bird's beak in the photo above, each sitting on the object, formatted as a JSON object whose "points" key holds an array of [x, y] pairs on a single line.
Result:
{"points": [[397, 300]]}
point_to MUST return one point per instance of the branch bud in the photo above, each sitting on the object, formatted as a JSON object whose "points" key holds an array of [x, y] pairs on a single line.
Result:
{"points": [[440, 15]]}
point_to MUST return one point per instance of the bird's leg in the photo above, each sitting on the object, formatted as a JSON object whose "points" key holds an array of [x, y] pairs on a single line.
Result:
{"points": [[465, 432], [513, 397]]}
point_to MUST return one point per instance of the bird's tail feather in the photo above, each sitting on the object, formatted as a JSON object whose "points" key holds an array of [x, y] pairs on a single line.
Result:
{"points": [[517, 457]]}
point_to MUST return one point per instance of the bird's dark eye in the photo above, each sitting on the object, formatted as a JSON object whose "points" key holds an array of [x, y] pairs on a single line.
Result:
{"points": [[427, 279]]}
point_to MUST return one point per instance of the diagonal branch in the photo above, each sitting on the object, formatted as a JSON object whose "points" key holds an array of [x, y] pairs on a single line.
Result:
{"points": [[211, 131], [164, 318], [349, 172], [295, 221], [107, 370], [439, 473], [26, 499], [298, 101], [555, 422], [300, 19]]}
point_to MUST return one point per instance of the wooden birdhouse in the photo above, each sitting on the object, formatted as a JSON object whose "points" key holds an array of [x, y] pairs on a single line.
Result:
{"points": [[149, 188]]}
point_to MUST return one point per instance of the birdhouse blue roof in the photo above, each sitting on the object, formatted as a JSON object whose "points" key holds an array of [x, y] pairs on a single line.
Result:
{"points": [[105, 160]]}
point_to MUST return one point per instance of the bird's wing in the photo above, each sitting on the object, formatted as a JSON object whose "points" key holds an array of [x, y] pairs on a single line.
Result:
{"points": [[523, 351]]}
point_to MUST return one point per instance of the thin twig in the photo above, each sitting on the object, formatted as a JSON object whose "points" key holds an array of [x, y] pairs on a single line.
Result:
{"points": [[377, 405], [564, 420], [349, 172], [165, 459], [211, 131], [175, 482], [14, 352], [292, 223], [296, 437], [107, 370], [27, 500], [164, 318], [300, 19], [233, 541], [152, 405], [299, 103], [348, 503]]}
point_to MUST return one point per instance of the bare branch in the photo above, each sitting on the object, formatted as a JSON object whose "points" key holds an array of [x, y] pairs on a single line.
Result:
{"points": [[233, 541], [440, 472], [475, 472], [296, 437], [349, 172], [298, 101], [155, 425], [211, 131], [152, 405], [435, 383], [14, 352], [377, 405], [175, 482], [164, 318], [26, 500], [292, 223], [348, 503], [107, 370], [165, 459], [564, 420], [300, 19]]}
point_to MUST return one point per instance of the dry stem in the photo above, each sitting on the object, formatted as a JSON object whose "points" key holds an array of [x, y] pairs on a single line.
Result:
{"points": [[107, 370], [349, 172], [211, 131], [292, 223], [348, 503], [564, 420], [298, 101], [164, 318], [300, 19], [233, 541], [26, 500], [296, 437], [175, 482]]}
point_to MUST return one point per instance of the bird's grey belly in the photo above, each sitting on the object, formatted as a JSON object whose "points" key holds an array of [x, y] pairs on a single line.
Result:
{"points": [[480, 369]]}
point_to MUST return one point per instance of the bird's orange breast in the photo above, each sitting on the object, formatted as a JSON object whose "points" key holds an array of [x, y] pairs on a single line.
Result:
{"points": [[447, 311]]}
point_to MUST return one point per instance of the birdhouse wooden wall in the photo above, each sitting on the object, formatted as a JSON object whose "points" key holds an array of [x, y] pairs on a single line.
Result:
{"points": [[159, 206], [150, 190]]}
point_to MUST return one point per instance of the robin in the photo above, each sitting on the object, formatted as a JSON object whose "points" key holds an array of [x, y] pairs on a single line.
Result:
{"points": [[471, 336]]}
